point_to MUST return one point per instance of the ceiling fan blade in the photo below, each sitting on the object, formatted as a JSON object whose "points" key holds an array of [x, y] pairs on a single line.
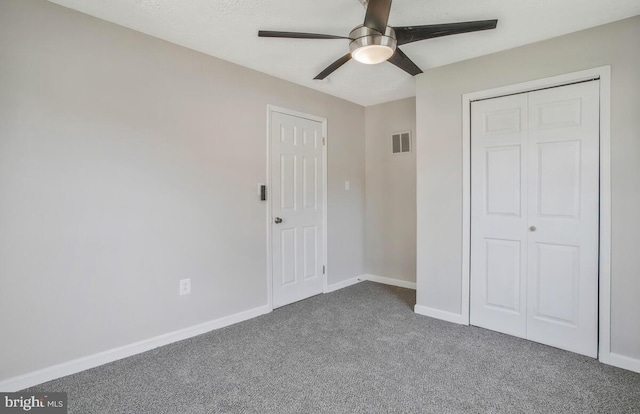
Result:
{"points": [[410, 34], [332, 67], [403, 62], [297, 35], [377, 15]]}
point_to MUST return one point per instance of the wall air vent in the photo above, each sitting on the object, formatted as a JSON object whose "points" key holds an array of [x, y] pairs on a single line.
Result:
{"points": [[401, 142]]}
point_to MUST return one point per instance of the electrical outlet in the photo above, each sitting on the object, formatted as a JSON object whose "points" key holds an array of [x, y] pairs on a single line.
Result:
{"points": [[185, 287]]}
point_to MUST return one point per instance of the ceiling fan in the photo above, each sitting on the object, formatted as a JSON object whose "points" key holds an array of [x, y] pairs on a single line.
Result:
{"points": [[375, 42]]}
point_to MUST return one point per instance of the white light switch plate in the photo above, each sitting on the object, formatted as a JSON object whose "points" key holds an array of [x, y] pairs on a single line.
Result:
{"points": [[185, 287]]}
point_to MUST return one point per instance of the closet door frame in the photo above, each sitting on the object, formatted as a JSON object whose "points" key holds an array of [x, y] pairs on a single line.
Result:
{"points": [[602, 73]]}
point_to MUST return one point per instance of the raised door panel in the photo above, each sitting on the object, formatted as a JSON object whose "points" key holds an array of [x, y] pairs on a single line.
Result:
{"points": [[310, 181], [499, 121], [557, 270], [503, 275], [288, 187], [558, 181], [310, 257], [288, 243], [502, 180]]}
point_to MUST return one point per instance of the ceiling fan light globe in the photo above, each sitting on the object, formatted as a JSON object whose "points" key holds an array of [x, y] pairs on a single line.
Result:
{"points": [[372, 54], [370, 47]]}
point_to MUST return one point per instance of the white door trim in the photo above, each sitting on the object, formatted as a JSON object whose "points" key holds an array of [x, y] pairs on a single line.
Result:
{"points": [[323, 121], [604, 74]]}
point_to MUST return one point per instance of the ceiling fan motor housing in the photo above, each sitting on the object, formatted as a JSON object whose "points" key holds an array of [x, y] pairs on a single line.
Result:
{"points": [[370, 46]]}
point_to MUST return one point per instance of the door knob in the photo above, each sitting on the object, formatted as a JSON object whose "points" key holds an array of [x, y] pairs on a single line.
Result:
{"points": [[532, 228], [277, 220]]}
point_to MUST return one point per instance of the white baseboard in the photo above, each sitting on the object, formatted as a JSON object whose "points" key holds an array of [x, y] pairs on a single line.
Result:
{"points": [[343, 284], [101, 358], [440, 314], [389, 281], [621, 361]]}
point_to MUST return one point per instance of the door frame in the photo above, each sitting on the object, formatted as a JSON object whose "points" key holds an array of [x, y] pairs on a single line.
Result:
{"points": [[602, 73], [323, 121]]}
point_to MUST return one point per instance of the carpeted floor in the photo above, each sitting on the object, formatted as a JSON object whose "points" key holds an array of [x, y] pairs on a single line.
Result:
{"points": [[357, 350]]}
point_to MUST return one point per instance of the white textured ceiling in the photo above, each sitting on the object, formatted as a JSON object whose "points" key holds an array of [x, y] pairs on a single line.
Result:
{"points": [[228, 30]]}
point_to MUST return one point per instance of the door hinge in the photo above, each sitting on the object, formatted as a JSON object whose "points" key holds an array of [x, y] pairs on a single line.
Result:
{"points": [[323, 141], [323, 269]]}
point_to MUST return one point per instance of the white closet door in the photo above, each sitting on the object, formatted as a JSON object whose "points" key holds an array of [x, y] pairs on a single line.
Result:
{"points": [[498, 214], [534, 216], [562, 291]]}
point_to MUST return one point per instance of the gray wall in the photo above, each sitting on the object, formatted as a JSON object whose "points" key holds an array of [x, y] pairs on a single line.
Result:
{"points": [[128, 163], [439, 158], [390, 213]]}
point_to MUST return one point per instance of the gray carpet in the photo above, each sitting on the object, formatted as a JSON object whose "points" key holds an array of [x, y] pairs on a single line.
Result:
{"points": [[357, 350]]}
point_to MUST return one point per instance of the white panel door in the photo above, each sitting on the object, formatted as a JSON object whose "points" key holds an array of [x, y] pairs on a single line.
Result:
{"points": [[563, 209], [534, 216], [297, 208], [498, 214]]}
